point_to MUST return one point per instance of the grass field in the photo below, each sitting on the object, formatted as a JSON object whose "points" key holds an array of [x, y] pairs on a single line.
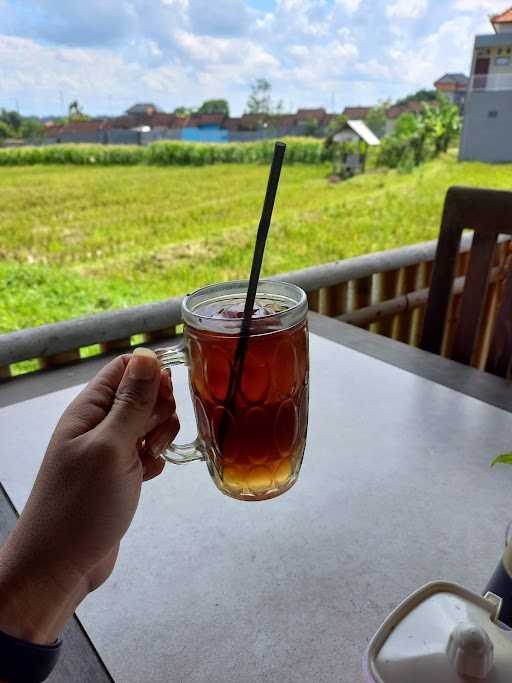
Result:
{"points": [[75, 240]]}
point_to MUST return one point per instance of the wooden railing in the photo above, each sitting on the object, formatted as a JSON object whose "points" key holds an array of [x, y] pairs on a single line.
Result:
{"points": [[385, 293]]}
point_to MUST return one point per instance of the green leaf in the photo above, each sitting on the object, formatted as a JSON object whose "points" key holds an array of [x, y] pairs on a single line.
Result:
{"points": [[505, 459]]}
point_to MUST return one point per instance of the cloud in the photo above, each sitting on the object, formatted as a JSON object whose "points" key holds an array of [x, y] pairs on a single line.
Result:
{"points": [[350, 6], [91, 23], [476, 6], [406, 9], [109, 53], [447, 49], [219, 18]]}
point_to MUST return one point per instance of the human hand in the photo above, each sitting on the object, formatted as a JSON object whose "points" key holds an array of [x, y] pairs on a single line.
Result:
{"points": [[66, 541]]}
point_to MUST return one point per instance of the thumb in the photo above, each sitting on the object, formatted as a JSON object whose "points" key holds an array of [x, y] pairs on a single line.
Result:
{"points": [[136, 396]]}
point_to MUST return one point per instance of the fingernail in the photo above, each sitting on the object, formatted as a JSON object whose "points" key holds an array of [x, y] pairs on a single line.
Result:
{"points": [[143, 364]]}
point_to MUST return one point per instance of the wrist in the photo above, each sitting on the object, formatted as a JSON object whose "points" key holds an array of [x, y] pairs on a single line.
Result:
{"points": [[35, 602]]}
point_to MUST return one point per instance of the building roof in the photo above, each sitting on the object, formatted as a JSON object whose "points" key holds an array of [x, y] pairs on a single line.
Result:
{"points": [[307, 114], [355, 113], [206, 119], [456, 79], [141, 108], [503, 18], [232, 123], [414, 106], [90, 126], [361, 130], [494, 40]]}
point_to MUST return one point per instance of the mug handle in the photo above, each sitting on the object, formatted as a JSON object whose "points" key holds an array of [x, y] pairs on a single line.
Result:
{"points": [[189, 452]]}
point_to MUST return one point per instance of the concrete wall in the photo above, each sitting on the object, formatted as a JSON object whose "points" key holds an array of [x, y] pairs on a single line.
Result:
{"points": [[160, 134], [205, 134], [486, 137]]}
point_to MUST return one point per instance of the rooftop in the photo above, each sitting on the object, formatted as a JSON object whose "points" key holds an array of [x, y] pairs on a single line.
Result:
{"points": [[456, 78], [503, 18], [356, 112], [142, 108], [494, 40]]}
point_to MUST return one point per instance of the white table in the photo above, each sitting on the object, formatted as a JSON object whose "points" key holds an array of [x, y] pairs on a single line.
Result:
{"points": [[395, 491]]}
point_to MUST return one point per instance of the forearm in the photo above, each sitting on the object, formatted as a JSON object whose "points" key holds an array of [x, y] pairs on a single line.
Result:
{"points": [[35, 604]]}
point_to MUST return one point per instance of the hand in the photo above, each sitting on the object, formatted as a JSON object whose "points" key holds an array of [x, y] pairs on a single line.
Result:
{"points": [[66, 541]]}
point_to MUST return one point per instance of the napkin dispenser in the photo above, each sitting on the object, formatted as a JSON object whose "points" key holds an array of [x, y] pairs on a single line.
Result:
{"points": [[442, 633]]}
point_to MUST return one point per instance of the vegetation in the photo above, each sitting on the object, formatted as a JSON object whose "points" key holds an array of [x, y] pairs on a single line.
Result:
{"points": [[75, 240], [260, 99], [376, 118], [13, 125], [419, 96], [299, 150], [418, 138], [214, 107]]}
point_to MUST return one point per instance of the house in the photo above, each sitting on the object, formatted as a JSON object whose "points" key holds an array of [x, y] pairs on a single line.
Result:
{"points": [[356, 113], [486, 133], [92, 131], [454, 87], [361, 137], [143, 109]]}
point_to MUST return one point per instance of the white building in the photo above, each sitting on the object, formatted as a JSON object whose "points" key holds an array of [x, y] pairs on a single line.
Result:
{"points": [[487, 130]]}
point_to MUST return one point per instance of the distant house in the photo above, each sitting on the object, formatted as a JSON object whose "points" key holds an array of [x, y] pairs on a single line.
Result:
{"points": [[205, 128], [143, 109], [486, 134], [356, 113], [92, 131], [454, 87]]}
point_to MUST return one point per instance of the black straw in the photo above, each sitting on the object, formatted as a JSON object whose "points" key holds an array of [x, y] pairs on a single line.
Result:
{"points": [[259, 249]]}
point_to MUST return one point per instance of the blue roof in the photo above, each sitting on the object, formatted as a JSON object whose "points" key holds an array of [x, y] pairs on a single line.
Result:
{"points": [[498, 40]]}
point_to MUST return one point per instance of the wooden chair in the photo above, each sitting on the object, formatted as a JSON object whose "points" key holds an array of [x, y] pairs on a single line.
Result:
{"points": [[489, 214]]}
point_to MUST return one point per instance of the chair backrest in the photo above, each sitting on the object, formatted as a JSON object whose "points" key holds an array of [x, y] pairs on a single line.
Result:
{"points": [[489, 214]]}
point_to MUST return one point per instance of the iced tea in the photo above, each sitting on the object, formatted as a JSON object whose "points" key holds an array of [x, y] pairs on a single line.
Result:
{"points": [[257, 434]]}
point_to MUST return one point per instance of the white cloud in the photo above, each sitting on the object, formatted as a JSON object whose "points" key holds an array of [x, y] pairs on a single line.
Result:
{"points": [[476, 6], [406, 9], [448, 49], [178, 52], [374, 69], [349, 6]]}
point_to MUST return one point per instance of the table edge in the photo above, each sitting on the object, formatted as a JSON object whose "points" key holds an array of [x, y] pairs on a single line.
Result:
{"points": [[461, 378]]}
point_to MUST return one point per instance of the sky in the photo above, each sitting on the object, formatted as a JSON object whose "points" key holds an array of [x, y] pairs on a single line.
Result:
{"points": [[109, 54]]}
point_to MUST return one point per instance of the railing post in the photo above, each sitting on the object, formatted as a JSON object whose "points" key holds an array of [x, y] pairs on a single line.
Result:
{"points": [[314, 301], [361, 294], [116, 345], [407, 284], [159, 335], [5, 372], [388, 290], [48, 362]]}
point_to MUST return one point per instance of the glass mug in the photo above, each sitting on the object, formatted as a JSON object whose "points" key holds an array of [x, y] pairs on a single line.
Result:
{"points": [[252, 423]]}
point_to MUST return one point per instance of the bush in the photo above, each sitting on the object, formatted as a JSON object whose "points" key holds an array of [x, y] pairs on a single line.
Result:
{"points": [[419, 138], [172, 153]]}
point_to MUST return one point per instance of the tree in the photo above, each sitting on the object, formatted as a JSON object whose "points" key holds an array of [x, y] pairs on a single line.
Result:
{"points": [[75, 112], [260, 101], [420, 137], [214, 107], [12, 119], [419, 96], [182, 112], [335, 126], [32, 129], [376, 119], [5, 130]]}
